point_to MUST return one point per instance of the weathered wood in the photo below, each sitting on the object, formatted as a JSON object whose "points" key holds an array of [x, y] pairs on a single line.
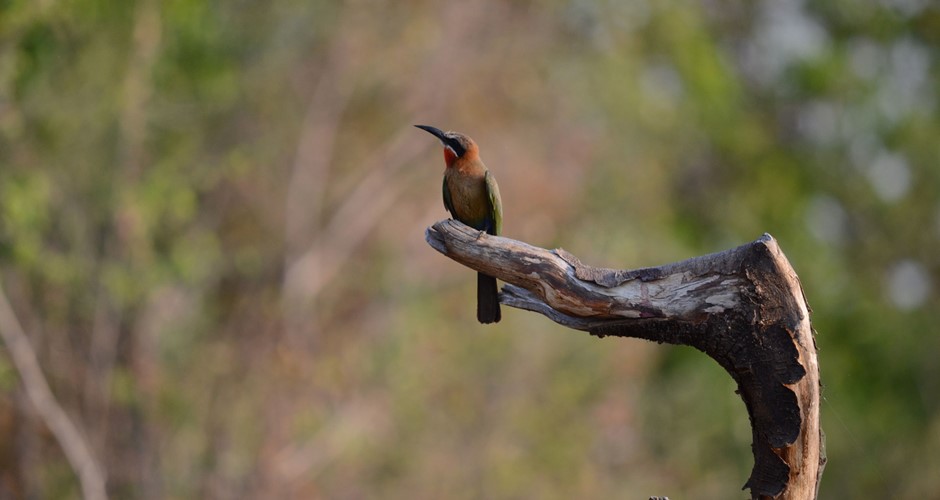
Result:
{"points": [[744, 307]]}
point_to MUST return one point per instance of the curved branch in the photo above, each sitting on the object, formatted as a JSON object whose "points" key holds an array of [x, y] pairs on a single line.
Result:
{"points": [[74, 445], [744, 307]]}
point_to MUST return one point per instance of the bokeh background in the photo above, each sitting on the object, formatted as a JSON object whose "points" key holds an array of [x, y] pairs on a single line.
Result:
{"points": [[212, 222]]}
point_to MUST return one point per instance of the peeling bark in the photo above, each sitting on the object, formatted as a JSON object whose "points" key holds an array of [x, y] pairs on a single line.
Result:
{"points": [[743, 307]]}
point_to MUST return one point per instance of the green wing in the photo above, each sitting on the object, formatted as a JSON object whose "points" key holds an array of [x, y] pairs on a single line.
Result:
{"points": [[448, 204], [496, 205]]}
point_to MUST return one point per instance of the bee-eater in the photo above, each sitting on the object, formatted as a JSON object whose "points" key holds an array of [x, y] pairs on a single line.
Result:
{"points": [[472, 197]]}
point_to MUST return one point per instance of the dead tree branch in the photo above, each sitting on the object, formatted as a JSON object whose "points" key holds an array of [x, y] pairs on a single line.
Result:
{"points": [[744, 307], [73, 444]]}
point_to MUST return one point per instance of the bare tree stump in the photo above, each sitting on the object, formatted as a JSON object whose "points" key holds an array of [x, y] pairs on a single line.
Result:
{"points": [[744, 307]]}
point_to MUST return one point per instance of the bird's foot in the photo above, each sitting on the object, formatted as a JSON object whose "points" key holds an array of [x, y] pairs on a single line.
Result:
{"points": [[480, 234]]}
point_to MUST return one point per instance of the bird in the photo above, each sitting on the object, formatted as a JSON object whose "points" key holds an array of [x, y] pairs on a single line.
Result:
{"points": [[472, 197]]}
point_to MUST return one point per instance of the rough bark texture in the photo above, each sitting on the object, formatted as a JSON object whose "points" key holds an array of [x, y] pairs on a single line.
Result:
{"points": [[744, 307]]}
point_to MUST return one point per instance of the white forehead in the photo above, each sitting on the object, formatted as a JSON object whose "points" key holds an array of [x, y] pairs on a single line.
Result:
{"points": [[457, 136]]}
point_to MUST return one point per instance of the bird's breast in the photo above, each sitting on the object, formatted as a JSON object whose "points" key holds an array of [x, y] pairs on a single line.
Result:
{"points": [[468, 196]]}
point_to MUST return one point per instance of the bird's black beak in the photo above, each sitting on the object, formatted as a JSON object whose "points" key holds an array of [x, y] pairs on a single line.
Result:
{"points": [[436, 132], [449, 142]]}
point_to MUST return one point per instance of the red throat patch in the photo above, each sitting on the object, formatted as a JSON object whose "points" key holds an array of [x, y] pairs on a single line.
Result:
{"points": [[449, 156]]}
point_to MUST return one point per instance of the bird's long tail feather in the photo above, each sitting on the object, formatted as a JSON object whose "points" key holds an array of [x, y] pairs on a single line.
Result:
{"points": [[487, 299]]}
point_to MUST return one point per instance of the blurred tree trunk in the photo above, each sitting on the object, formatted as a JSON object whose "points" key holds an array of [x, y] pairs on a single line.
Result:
{"points": [[743, 307]]}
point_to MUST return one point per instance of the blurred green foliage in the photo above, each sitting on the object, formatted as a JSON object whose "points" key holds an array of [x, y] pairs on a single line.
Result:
{"points": [[211, 220]]}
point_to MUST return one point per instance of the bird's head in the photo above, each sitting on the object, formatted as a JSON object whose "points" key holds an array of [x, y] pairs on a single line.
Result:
{"points": [[456, 145]]}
